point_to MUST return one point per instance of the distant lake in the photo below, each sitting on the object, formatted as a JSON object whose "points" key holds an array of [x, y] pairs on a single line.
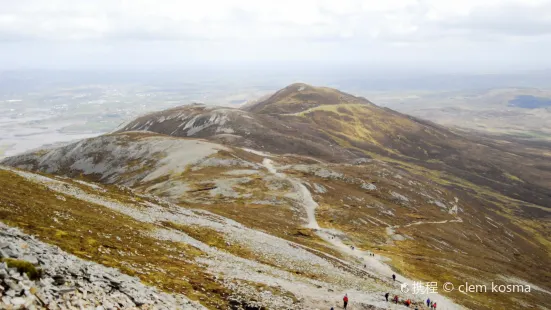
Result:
{"points": [[530, 102]]}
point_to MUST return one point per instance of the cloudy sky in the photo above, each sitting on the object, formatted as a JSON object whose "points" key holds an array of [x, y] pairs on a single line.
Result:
{"points": [[441, 34]]}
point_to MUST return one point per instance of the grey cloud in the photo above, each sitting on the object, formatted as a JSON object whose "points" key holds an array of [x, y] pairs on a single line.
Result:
{"points": [[112, 20], [118, 32], [506, 20]]}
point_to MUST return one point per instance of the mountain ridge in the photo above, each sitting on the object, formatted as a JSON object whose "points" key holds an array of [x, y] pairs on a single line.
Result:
{"points": [[339, 131]]}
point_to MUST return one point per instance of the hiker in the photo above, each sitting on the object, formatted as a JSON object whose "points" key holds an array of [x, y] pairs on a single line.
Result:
{"points": [[434, 305], [394, 277], [428, 302], [408, 303], [345, 300], [386, 296], [396, 299]]}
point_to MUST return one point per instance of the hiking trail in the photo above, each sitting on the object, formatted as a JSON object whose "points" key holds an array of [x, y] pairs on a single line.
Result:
{"points": [[374, 263]]}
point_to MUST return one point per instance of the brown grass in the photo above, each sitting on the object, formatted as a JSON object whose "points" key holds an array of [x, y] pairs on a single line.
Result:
{"points": [[95, 233]]}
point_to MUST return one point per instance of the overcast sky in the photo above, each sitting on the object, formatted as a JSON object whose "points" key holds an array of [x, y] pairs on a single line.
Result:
{"points": [[441, 34]]}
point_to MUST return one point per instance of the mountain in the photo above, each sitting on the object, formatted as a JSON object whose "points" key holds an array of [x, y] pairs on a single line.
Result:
{"points": [[294, 200], [337, 127]]}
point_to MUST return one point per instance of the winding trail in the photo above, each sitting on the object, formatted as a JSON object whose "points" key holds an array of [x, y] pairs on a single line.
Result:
{"points": [[374, 263], [458, 220], [304, 195]]}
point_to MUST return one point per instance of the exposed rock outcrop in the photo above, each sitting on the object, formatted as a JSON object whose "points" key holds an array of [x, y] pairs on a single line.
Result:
{"points": [[68, 282]]}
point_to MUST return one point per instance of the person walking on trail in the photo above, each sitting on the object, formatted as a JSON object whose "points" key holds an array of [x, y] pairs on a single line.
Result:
{"points": [[434, 305], [428, 302], [396, 299], [345, 300], [386, 296], [394, 277]]}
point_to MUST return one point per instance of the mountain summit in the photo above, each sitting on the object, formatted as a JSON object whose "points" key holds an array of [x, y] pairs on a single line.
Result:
{"points": [[299, 97]]}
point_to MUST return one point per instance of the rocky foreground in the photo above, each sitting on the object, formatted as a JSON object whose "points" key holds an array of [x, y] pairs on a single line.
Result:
{"points": [[63, 281]]}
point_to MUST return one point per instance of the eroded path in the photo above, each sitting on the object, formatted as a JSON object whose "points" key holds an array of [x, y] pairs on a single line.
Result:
{"points": [[304, 195], [457, 220], [374, 263]]}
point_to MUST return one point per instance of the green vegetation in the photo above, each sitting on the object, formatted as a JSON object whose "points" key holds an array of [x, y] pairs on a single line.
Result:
{"points": [[513, 178], [24, 267]]}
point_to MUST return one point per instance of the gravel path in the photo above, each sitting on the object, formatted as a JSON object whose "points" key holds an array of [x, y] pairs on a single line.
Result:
{"points": [[302, 194]]}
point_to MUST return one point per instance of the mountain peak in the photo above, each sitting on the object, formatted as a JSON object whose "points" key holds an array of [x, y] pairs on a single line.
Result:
{"points": [[299, 97], [298, 87]]}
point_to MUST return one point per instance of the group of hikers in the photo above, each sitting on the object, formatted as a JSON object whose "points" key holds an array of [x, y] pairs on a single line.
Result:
{"points": [[431, 304], [353, 248]]}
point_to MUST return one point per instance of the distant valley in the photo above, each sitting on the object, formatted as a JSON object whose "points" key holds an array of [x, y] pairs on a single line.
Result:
{"points": [[523, 113]]}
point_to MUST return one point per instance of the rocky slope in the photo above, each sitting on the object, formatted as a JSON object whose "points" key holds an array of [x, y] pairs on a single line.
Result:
{"points": [[212, 259], [396, 214], [66, 280], [292, 203], [338, 127]]}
